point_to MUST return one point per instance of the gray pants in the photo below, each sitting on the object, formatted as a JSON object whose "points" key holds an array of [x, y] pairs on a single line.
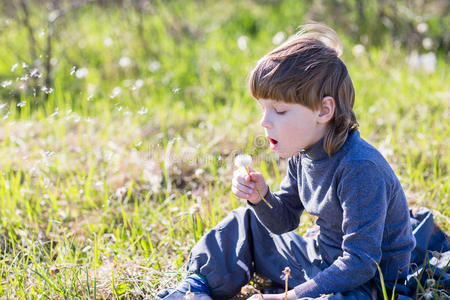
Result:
{"points": [[229, 254]]}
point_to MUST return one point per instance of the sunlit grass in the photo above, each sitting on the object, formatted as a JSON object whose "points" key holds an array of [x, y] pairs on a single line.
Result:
{"points": [[103, 195]]}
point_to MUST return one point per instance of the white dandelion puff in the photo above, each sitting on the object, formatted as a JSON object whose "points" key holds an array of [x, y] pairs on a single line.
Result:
{"points": [[278, 38], [124, 62], [242, 42], [422, 27], [154, 66], [108, 41], [116, 92], [427, 43], [358, 50], [81, 72], [243, 161]]}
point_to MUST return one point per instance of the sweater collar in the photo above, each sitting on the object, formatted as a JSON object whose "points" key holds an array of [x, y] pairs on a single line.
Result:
{"points": [[317, 151]]}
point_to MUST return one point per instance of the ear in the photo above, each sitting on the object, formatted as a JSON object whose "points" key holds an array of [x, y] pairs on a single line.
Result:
{"points": [[326, 112]]}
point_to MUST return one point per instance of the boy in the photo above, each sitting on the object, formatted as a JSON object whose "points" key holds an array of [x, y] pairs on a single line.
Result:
{"points": [[307, 98]]}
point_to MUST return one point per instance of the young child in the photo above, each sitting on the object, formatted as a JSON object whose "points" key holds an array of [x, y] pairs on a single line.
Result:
{"points": [[307, 98]]}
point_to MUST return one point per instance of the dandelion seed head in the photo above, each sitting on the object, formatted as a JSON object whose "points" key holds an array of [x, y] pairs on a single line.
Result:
{"points": [[108, 42], [422, 27], [358, 50], [278, 38], [124, 62], [427, 43], [243, 160], [139, 83], [242, 42], [81, 73], [154, 66], [116, 92]]}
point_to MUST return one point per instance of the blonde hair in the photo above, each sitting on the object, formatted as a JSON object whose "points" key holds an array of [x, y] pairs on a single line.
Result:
{"points": [[304, 70]]}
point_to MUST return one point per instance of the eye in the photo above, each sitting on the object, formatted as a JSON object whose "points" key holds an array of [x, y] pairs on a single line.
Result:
{"points": [[280, 112]]}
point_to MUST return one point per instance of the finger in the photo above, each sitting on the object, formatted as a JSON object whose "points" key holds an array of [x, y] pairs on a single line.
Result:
{"points": [[246, 182], [244, 188], [239, 193]]}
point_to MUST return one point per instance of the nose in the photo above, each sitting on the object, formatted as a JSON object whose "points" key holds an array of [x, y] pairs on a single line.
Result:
{"points": [[265, 121]]}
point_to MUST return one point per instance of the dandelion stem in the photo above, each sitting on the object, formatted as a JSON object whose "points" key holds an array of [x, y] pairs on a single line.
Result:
{"points": [[259, 193]]}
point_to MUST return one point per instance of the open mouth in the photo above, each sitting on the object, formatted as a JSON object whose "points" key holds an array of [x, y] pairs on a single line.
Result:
{"points": [[272, 141]]}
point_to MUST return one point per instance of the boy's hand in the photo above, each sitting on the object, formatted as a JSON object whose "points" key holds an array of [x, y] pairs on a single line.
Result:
{"points": [[243, 185]]}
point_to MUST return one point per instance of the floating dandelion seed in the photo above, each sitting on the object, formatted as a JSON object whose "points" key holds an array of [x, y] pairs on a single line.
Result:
{"points": [[90, 97], [14, 66], [244, 161]]}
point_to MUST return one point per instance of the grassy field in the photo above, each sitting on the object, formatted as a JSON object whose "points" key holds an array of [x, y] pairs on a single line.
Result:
{"points": [[107, 184]]}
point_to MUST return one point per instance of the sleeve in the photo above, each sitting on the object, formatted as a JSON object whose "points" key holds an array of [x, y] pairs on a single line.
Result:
{"points": [[287, 207], [362, 193]]}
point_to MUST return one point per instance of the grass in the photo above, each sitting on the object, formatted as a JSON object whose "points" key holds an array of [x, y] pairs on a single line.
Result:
{"points": [[104, 198]]}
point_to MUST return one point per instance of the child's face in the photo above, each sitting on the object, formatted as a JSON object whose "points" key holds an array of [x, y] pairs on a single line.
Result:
{"points": [[290, 127]]}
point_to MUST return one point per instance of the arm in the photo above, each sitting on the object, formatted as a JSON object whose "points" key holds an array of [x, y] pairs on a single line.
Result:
{"points": [[287, 207], [362, 193]]}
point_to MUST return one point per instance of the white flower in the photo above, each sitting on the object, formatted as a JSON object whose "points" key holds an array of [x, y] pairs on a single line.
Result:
{"points": [[243, 160], [242, 42]]}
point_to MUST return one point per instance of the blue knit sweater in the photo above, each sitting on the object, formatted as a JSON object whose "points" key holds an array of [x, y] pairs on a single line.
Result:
{"points": [[362, 214]]}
